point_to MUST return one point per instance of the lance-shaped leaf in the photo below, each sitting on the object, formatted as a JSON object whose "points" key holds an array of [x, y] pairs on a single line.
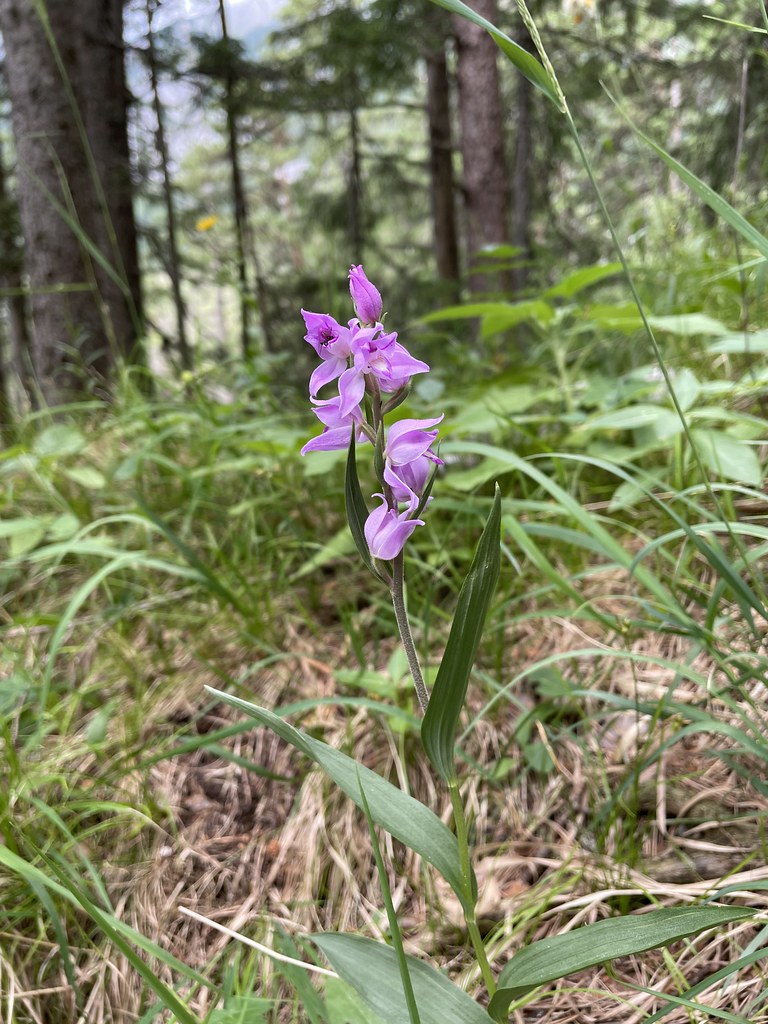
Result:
{"points": [[371, 969], [525, 63], [396, 812], [438, 730], [594, 944]]}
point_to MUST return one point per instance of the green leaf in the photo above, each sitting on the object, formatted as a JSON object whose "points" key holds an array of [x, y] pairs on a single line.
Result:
{"points": [[505, 314], [581, 279], [86, 476], [371, 969], [22, 541], [248, 1009], [396, 812], [687, 388], [59, 440], [631, 418], [688, 324], [357, 510], [727, 457], [338, 546], [438, 730], [623, 318], [344, 1006], [626, 495], [394, 925], [494, 407], [594, 944], [516, 313], [10, 527], [63, 527], [741, 343], [525, 63]]}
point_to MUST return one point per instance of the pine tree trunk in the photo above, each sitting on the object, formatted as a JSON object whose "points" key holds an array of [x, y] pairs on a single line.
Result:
{"points": [[17, 356], [522, 181], [239, 203], [174, 263], [65, 77], [482, 138], [355, 189], [441, 172]]}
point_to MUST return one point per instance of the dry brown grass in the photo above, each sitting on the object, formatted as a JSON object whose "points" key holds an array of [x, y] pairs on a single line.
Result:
{"points": [[256, 854]]}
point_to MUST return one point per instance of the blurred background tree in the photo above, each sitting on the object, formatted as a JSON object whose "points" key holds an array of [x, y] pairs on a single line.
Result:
{"points": [[272, 145]]}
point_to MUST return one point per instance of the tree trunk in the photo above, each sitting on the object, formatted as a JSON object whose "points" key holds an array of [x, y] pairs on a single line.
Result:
{"points": [[355, 189], [239, 202], [64, 64], [482, 138], [522, 182], [174, 263], [441, 171], [18, 345]]}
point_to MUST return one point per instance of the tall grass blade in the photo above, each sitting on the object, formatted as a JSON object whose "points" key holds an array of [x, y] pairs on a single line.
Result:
{"points": [[226, 596], [711, 979], [31, 873], [707, 195], [525, 63]]}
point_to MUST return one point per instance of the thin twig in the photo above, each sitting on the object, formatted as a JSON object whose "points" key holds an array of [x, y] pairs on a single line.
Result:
{"points": [[256, 945]]}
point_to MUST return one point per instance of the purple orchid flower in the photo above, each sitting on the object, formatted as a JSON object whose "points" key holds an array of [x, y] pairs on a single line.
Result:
{"points": [[408, 458], [332, 342], [359, 355], [381, 356], [337, 426], [365, 296], [386, 530], [409, 439]]}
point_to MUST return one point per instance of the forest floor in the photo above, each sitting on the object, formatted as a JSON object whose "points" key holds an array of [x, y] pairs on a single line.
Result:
{"points": [[591, 788], [564, 842]]}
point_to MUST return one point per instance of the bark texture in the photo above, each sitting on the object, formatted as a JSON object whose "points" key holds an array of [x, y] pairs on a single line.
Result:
{"points": [[174, 260], [482, 137], [16, 354], [64, 65], [522, 180], [441, 170]]}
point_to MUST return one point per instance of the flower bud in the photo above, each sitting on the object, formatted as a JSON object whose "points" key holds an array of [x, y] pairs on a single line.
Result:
{"points": [[365, 296]]}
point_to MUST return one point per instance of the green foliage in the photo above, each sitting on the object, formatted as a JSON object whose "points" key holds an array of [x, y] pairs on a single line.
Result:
{"points": [[438, 731], [371, 968], [555, 957], [624, 514]]}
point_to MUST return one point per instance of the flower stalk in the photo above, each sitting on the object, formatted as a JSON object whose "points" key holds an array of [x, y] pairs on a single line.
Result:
{"points": [[404, 626]]}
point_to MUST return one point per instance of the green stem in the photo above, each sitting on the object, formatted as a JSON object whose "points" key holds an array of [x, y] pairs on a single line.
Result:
{"points": [[462, 838], [401, 614]]}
